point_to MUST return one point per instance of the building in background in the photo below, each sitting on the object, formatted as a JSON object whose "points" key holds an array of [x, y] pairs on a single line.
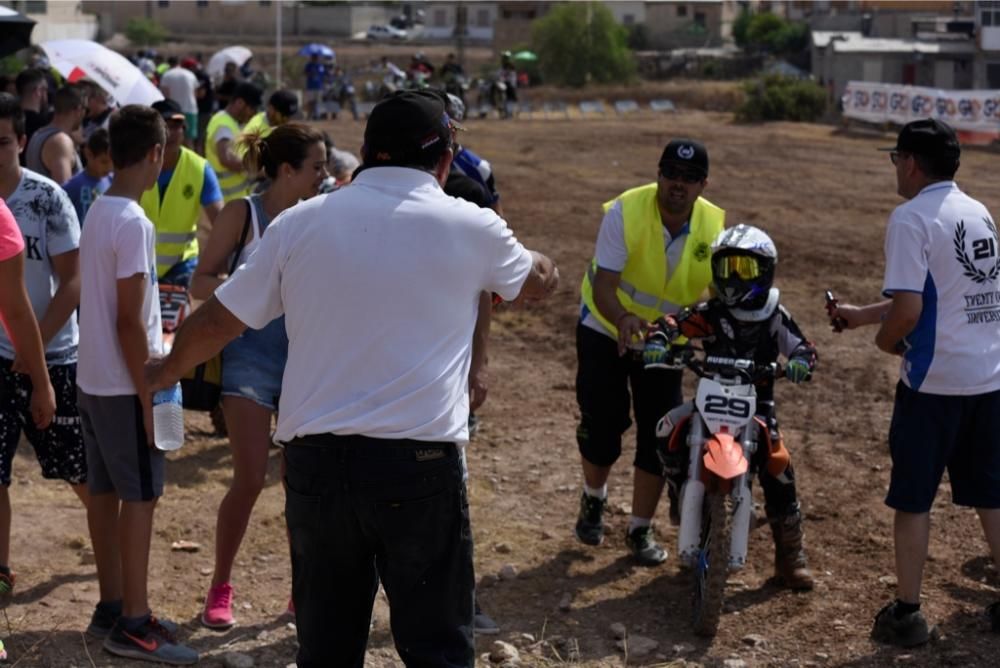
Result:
{"points": [[839, 57], [55, 19], [987, 67], [243, 19], [675, 24], [441, 19]]}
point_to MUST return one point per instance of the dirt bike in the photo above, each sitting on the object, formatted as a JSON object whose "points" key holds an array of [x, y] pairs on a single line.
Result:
{"points": [[457, 85], [723, 428]]}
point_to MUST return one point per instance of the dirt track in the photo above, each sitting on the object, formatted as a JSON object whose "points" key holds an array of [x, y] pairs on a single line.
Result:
{"points": [[824, 197]]}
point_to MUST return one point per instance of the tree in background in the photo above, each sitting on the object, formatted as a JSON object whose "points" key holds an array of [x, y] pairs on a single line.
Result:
{"points": [[774, 97], [769, 33], [145, 32], [740, 26], [580, 42]]}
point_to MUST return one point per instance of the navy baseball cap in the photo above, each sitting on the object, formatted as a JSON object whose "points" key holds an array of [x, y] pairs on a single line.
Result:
{"points": [[249, 93], [929, 137], [170, 110], [686, 153], [285, 102], [406, 126]]}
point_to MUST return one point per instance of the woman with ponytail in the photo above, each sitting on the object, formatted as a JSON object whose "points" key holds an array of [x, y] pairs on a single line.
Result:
{"points": [[293, 156]]}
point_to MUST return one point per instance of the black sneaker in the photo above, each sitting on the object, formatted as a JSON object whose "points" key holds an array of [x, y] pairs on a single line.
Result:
{"points": [[483, 623], [150, 642], [589, 524], [644, 547], [104, 618], [106, 614], [909, 631]]}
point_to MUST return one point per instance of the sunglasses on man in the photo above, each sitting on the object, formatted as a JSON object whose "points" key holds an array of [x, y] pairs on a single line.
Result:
{"points": [[672, 173], [895, 155]]}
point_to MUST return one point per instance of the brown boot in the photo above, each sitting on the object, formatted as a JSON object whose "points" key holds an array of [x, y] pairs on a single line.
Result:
{"points": [[789, 559]]}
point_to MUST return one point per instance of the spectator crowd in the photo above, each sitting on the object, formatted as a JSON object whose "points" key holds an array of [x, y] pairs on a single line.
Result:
{"points": [[100, 207]]}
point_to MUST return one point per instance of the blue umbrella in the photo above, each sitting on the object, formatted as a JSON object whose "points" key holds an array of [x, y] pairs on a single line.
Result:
{"points": [[316, 49]]}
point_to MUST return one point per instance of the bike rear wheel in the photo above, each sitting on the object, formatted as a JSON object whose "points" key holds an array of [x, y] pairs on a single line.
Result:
{"points": [[712, 568]]}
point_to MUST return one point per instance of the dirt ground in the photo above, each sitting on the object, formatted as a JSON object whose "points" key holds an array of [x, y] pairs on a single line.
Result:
{"points": [[824, 196]]}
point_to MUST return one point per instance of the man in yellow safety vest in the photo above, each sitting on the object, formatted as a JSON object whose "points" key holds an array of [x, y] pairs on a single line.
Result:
{"points": [[221, 137], [187, 185], [653, 258], [281, 108]]}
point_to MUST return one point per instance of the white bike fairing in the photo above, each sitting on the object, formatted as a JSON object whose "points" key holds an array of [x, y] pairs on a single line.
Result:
{"points": [[725, 407]]}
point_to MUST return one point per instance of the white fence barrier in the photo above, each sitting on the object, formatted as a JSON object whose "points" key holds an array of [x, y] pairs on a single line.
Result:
{"points": [[972, 110]]}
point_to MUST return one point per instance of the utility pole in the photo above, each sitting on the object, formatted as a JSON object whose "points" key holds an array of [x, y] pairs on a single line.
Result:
{"points": [[278, 38], [461, 30]]}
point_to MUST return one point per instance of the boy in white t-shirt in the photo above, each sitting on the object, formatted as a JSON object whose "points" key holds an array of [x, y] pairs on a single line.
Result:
{"points": [[119, 331]]}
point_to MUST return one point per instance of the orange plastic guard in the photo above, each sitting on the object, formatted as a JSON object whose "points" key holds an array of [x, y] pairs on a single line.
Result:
{"points": [[724, 457]]}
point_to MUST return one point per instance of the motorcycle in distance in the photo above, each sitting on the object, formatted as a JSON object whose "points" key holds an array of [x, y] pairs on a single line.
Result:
{"points": [[723, 431], [492, 94], [341, 92], [457, 85]]}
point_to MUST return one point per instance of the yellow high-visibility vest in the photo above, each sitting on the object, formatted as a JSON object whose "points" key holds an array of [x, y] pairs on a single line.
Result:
{"points": [[257, 124], [234, 184], [175, 214], [644, 288]]}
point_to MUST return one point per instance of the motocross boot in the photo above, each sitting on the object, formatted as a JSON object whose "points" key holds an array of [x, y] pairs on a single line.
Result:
{"points": [[789, 558]]}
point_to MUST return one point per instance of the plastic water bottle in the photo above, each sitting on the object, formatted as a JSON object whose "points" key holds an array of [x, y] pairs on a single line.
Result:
{"points": [[168, 418]]}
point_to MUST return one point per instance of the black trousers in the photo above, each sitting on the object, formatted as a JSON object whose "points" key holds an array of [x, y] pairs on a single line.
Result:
{"points": [[603, 380], [360, 510]]}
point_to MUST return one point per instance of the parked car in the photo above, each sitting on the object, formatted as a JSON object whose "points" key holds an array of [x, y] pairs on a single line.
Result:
{"points": [[382, 32]]}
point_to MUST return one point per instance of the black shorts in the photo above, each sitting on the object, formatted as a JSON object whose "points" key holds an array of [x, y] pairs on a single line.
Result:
{"points": [[603, 380], [932, 432], [118, 453], [59, 448]]}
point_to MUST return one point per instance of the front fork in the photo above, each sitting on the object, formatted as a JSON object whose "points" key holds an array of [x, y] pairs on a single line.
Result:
{"points": [[693, 493]]}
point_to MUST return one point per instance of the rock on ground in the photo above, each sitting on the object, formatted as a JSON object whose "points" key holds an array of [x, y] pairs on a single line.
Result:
{"points": [[504, 652]]}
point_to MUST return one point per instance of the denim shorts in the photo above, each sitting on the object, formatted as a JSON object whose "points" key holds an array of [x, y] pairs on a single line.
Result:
{"points": [[252, 365]]}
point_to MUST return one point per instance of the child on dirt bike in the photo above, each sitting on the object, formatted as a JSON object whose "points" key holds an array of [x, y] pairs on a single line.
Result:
{"points": [[745, 320]]}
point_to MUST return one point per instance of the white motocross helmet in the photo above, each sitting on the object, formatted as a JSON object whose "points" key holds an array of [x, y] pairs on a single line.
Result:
{"points": [[743, 262]]}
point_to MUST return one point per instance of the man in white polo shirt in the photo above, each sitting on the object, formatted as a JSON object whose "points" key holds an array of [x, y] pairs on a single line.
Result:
{"points": [[942, 315], [379, 284]]}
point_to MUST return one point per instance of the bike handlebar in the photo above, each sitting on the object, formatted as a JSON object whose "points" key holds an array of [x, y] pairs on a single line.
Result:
{"points": [[705, 365]]}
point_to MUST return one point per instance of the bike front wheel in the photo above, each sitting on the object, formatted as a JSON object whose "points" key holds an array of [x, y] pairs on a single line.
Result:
{"points": [[712, 567]]}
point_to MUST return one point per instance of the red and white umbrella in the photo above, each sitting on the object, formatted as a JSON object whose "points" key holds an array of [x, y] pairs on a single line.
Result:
{"points": [[77, 59]]}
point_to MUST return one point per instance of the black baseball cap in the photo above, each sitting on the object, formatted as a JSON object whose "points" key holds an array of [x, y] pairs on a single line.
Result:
{"points": [[248, 93], [929, 137], [285, 102], [406, 126], [686, 152], [170, 110]]}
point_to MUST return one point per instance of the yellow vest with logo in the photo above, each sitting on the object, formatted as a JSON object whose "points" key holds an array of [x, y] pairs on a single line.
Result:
{"points": [[175, 214], [644, 288], [234, 184]]}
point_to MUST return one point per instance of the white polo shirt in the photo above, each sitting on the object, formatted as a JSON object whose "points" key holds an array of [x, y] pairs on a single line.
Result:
{"points": [[379, 283], [943, 244]]}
